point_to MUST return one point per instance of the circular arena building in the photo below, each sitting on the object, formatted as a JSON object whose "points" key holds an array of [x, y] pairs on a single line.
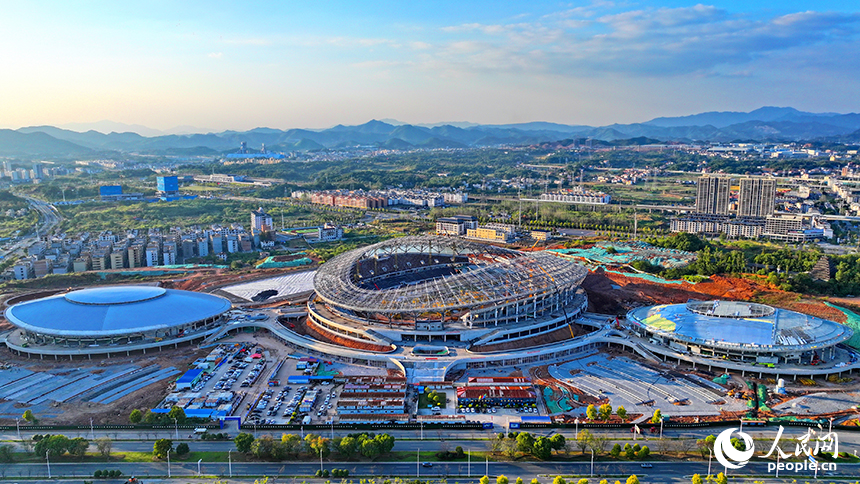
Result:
{"points": [[740, 331], [113, 320], [444, 290]]}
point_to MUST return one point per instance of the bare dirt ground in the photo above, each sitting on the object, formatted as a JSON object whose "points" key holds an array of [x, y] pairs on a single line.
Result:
{"points": [[616, 293]]}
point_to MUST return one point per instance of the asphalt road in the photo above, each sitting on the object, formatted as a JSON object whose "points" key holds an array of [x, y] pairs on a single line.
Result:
{"points": [[660, 472], [48, 218]]}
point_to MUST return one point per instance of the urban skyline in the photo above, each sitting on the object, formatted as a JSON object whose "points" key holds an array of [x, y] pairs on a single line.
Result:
{"points": [[319, 65]]}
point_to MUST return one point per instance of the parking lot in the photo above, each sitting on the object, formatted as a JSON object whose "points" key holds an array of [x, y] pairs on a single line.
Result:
{"points": [[303, 404], [250, 378]]}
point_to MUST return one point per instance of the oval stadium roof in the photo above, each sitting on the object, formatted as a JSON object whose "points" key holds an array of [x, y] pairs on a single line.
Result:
{"points": [[114, 311], [739, 324], [494, 275]]}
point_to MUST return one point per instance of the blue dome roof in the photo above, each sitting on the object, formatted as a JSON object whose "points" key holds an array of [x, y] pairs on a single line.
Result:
{"points": [[114, 311], [115, 295]]}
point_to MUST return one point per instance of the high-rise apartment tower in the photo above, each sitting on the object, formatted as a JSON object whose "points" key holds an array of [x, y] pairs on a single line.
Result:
{"points": [[757, 197], [712, 195]]}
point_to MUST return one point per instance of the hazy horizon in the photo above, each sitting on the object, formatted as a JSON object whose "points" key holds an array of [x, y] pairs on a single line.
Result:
{"points": [[237, 67]]}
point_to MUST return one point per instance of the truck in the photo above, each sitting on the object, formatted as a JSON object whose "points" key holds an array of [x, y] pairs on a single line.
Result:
{"points": [[306, 420]]}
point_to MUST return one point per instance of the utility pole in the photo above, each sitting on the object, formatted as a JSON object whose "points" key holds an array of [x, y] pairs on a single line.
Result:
{"points": [[635, 223], [520, 198]]}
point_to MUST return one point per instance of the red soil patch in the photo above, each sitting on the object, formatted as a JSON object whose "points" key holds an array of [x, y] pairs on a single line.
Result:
{"points": [[632, 292]]}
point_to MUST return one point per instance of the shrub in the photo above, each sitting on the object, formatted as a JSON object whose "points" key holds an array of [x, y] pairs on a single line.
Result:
{"points": [[97, 474]]}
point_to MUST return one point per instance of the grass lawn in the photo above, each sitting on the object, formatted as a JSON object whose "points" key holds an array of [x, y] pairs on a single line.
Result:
{"points": [[129, 456], [202, 188]]}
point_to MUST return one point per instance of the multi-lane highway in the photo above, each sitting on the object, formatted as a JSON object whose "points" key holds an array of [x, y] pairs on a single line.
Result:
{"points": [[49, 218], [473, 441], [659, 472]]}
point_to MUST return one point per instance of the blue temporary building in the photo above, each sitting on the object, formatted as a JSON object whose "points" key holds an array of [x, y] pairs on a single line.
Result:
{"points": [[189, 379], [110, 190]]}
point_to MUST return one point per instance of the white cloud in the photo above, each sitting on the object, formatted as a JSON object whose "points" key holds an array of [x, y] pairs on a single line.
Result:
{"points": [[215, 55], [651, 42]]}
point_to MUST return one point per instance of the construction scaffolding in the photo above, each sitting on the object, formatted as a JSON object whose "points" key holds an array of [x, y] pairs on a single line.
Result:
{"points": [[431, 274]]}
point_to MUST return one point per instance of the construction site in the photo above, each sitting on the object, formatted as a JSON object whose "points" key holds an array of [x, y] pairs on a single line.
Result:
{"points": [[392, 322]]}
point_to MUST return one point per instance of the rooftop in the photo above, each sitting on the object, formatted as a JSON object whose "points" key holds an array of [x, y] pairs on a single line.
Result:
{"points": [[114, 311], [732, 323]]}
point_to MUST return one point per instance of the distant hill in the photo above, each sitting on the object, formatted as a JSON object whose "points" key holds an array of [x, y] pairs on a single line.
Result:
{"points": [[728, 118], [15, 143], [763, 124]]}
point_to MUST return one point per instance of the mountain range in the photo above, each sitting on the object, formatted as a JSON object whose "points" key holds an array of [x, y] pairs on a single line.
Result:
{"points": [[764, 124]]}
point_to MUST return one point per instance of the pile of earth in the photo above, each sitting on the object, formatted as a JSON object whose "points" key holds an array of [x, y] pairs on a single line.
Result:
{"points": [[612, 293]]}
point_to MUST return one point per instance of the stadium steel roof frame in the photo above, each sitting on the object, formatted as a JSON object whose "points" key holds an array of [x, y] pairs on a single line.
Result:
{"points": [[845, 333], [511, 275]]}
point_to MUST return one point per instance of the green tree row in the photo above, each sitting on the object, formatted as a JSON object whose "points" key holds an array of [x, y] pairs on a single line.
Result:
{"points": [[290, 446]]}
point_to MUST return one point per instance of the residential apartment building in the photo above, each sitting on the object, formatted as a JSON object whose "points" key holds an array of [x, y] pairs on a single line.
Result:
{"points": [[712, 195], [261, 221], [756, 197]]}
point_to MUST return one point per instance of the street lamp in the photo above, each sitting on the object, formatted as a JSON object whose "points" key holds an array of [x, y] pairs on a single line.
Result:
{"points": [[198, 466], [18, 427], [661, 429], [592, 462], [92, 434], [577, 427], [830, 429], [176, 427], [230, 461], [168, 463], [710, 456], [48, 461]]}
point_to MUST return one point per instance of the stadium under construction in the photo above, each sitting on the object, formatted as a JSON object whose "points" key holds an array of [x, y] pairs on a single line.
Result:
{"points": [[447, 291]]}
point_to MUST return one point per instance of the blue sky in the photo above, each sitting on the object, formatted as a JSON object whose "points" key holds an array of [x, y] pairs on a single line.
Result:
{"points": [[238, 65]]}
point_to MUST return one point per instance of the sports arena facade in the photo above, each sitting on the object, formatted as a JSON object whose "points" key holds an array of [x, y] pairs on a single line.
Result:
{"points": [[444, 290], [740, 331], [113, 320]]}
